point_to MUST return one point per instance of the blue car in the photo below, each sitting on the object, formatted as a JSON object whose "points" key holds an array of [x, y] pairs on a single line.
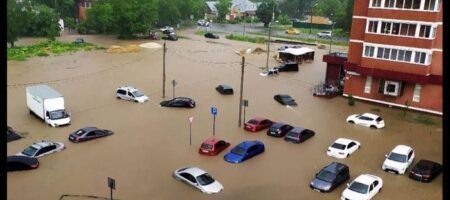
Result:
{"points": [[244, 151]]}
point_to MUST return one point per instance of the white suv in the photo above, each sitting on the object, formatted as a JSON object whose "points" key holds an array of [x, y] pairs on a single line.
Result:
{"points": [[131, 93], [399, 159], [324, 34]]}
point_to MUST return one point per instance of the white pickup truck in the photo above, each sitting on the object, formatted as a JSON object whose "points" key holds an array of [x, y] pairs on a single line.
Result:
{"points": [[47, 104]]}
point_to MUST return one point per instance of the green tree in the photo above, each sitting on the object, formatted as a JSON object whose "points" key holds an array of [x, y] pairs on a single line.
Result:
{"points": [[43, 22], [134, 16], [265, 12], [297, 8], [222, 9], [63, 8], [339, 11], [100, 17], [17, 16], [169, 12], [284, 19], [70, 23]]}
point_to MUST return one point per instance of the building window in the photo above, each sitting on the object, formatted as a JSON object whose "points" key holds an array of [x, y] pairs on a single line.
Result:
{"points": [[380, 52], [389, 3], [395, 28], [406, 4], [408, 56], [399, 4], [430, 5], [420, 57], [417, 91], [387, 53], [368, 85], [392, 88], [369, 51], [394, 54], [386, 27], [412, 30], [373, 26], [425, 31], [376, 3]]}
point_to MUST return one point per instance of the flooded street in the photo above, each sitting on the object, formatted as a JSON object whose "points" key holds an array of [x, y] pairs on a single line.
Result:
{"points": [[150, 141]]}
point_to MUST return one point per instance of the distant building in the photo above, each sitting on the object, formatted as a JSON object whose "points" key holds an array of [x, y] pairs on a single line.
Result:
{"points": [[238, 8], [316, 22], [395, 54]]}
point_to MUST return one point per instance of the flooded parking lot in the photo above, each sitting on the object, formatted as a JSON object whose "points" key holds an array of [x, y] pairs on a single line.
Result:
{"points": [[151, 141]]}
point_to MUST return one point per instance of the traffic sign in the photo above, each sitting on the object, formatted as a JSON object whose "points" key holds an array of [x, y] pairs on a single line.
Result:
{"points": [[214, 111]]}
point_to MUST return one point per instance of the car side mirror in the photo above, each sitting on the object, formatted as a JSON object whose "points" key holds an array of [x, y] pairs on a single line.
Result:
{"points": [[386, 155], [317, 174], [348, 184]]}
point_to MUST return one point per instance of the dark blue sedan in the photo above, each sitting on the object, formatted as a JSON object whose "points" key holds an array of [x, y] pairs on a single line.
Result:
{"points": [[244, 151]]}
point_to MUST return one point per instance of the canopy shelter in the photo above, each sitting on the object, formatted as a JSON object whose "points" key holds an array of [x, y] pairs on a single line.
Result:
{"points": [[295, 54]]}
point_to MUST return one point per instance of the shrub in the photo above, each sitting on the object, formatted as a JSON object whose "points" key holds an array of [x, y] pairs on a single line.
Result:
{"points": [[351, 100]]}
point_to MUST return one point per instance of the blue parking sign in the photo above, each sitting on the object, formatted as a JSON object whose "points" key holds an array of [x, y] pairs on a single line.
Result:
{"points": [[214, 111]]}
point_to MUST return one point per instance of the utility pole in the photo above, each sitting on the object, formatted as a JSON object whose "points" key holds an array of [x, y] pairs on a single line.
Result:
{"points": [[331, 35], [242, 88], [268, 41], [164, 71], [245, 17]]}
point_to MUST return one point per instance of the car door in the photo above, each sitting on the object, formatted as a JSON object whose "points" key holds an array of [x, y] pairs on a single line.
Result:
{"points": [[41, 152], [351, 147], [376, 187], [100, 133], [251, 152], [188, 178], [130, 96], [264, 124], [371, 191], [410, 157], [90, 135], [218, 147]]}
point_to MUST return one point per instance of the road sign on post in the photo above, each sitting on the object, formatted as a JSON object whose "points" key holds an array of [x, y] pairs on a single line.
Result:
{"points": [[174, 83], [111, 185], [214, 113], [191, 118]]}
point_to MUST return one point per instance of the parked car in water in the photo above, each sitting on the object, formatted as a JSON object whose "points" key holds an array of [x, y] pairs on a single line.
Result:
{"points": [[202, 22], [167, 29], [185, 102], [285, 99], [367, 120], [299, 135], [88, 133], [343, 148], [279, 129], [399, 159], [213, 146], [211, 35], [330, 177], [16, 163], [287, 67], [425, 171], [199, 179], [271, 72], [171, 36], [131, 94], [42, 148], [244, 151], [257, 124], [364, 187], [324, 34], [224, 89], [11, 135]]}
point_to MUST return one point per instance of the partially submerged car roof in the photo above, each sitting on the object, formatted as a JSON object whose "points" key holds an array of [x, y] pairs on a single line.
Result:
{"points": [[24, 159]]}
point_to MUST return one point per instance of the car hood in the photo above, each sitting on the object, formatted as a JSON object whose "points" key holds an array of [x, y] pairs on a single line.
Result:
{"points": [[350, 194], [320, 184], [351, 117], [233, 158], [214, 187], [395, 164], [142, 99]]}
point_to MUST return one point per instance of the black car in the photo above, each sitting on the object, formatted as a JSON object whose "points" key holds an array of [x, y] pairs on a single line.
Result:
{"points": [[15, 163], [298, 135], [185, 102], [330, 177], [279, 129], [89, 133], [287, 67], [285, 99], [211, 35], [425, 171], [171, 36], [224, 89], [11, 135]]}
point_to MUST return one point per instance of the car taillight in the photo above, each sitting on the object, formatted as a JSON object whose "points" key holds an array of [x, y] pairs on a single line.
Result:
{"points": [[76, 139], [35, 166], [278, 131]]}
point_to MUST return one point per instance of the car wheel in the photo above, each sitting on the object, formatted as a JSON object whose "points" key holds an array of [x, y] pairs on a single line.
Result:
{"points": [[359, 146], [351, 122], [136, 101], [117, 97], [373, 126], [348, 155]]}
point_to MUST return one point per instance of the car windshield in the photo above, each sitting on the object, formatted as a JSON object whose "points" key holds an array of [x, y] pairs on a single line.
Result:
{"points": [[80, 132], [359, 187], [137, 94], [252, 121], [58, 114], [292, 134], [238, 150], [397, 157], [205, 179], [30, 151], [206, 146], [326, 176], [338, 146]]}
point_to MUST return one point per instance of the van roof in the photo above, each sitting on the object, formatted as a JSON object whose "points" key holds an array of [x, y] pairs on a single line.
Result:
{"points": [[43, 91]]}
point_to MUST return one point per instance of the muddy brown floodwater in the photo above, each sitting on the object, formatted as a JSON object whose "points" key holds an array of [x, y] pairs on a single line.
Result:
{"points": [[151, 141]]}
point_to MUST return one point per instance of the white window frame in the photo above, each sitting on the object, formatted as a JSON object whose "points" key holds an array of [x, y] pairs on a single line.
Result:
{"points": [[368, 85], [391, 22], [416, 94], [428, 53], [397, 85], [421, 6]]}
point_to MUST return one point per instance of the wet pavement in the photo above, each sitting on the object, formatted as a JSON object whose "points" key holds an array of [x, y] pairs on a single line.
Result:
{"points": [[151, 141]]}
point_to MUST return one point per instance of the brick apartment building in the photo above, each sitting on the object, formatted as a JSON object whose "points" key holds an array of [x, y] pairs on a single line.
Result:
{"points": [[395, 54]]}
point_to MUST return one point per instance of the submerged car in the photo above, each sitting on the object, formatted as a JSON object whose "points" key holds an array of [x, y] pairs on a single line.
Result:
{"points": [[366, 119], [257, 124], [330, 177], [171, 36], [167, 29], [425, 171], [211, 35], [185, 102], [399, 159], [271, 72], [131, 94], [224, 89], [16, 163], [244, 151], [299, 135], [213, 146], [364, 187], [324, 34], [11, 135], [199, 179], [343, 147], [279, 129], [287, 67], [42, 148], [285, 99], [88, 133]]}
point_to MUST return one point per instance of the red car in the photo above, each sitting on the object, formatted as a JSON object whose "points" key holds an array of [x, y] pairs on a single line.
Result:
{"points": [[257, 124], [213, 146]]}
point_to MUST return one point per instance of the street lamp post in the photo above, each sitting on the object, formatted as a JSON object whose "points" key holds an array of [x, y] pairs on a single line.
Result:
{"points": [[268, 41], [242, 53], [310, 16], [331, 36], [164, 71]]}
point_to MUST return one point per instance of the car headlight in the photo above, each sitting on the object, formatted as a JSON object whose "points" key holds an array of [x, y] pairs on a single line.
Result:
{"points": [[312, 183]]}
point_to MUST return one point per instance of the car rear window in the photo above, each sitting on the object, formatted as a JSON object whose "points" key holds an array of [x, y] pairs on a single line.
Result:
{"points": [[80, 132], [338, 146], [206, 146], [252, 121]]}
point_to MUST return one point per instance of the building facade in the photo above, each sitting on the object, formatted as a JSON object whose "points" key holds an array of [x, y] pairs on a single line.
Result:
{"points": [[395, 54]]}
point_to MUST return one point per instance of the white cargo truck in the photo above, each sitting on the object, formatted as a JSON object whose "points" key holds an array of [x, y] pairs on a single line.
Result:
{"points": [[47, 104]]}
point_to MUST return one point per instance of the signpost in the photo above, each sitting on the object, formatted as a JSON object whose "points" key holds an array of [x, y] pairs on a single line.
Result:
{"points": [[191, 118], [174, 83], [214, 113], [111, 185], [245, 105]]}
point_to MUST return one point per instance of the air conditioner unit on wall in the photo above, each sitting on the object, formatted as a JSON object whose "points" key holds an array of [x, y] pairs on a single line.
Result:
{"points": [[392, 88]]}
